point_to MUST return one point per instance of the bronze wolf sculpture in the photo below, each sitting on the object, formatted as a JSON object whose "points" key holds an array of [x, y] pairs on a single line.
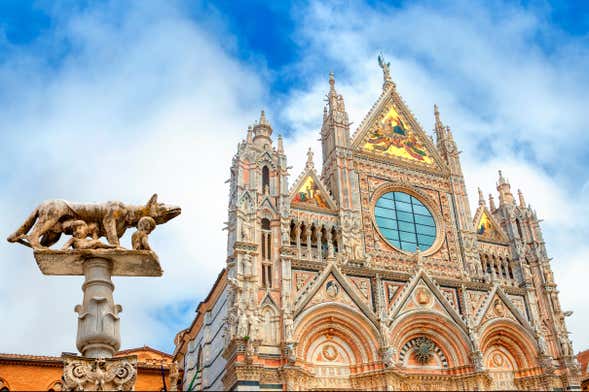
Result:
{"points": [[111, 219]]}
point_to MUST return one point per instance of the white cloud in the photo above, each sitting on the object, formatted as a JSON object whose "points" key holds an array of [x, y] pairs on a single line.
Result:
{"points": [[148, 103]]}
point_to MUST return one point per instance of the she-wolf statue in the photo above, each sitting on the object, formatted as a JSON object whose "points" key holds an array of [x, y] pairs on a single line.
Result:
{"points": [[111, 219]]}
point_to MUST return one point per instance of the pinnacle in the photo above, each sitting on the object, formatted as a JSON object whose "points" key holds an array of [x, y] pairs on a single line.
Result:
{"points": [[263, 120], [481, 198]]}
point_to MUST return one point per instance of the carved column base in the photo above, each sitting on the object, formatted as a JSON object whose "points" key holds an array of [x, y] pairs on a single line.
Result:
{"points": [[98, 319], [103, 374]]}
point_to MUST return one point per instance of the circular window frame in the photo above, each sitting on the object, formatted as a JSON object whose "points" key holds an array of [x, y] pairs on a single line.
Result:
{"points": [[425, 200]]}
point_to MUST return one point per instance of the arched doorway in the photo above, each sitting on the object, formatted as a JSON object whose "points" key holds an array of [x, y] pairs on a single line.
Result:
{"points": [[509, 354], [335, 343], [428, 341]]}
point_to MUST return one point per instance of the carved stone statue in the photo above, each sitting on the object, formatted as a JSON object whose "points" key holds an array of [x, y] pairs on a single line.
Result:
{"points": [[288, 329], [541, 341], [98, 333], [144, 228], [111, 219], [565, 344], [246, 265], [80, 239], [242, 326]]}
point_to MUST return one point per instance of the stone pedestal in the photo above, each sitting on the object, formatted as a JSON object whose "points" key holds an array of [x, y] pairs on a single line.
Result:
{"points": [[99, 374], [98, 335]]}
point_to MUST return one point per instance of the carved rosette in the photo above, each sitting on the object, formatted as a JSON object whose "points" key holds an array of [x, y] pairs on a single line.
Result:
{"points": [[101, 374]]}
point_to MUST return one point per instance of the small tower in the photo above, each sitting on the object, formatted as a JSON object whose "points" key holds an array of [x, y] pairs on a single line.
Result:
{"points": [[522, 226], [338, 172], [448, 150], [257, 203]]}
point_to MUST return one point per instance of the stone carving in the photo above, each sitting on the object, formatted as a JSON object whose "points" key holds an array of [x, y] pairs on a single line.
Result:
{"points": [[385, 67], [144, 228], [111, 219], [477, 360], [288, 329], [332, 289], [98, 336], [352, 237], [289, 351], [83, 374], [499, 308], [565, 345], [246, 265], [388, 356], [79, 240], [424, 349], [541, 341]]}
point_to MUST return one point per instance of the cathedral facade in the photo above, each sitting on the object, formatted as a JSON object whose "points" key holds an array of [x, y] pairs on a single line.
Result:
{"points": [[371, 272]]}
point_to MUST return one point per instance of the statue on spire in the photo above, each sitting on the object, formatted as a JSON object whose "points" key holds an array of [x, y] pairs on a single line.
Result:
{"points": [[385, 71], [337, 107], [309, 163]]}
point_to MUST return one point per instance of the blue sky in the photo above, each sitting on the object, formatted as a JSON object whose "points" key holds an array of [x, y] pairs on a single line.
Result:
{"points": [[117, 100]]}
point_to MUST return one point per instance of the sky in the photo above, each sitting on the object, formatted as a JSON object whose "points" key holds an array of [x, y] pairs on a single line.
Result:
{"points": [[118, 100]]}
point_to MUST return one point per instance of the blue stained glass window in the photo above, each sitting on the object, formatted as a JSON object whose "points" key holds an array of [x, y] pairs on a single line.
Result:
{"points": [[405, 222]]}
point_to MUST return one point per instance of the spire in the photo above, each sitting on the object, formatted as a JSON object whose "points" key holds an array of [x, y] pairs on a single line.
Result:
{"points": [[522, 201], [250, 135], [263, 120], [504, 189], [491, 203], [262, 129], [386, 72], [481, 198], [438, 126], [309, 163], [449, 133], [280, 148]]}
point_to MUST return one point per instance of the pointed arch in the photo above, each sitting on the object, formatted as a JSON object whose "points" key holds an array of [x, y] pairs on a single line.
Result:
{"points": [[265, 178]]}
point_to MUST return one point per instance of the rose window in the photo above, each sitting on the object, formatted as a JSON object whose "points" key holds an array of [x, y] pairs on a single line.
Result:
{"points": [[405, 222]]}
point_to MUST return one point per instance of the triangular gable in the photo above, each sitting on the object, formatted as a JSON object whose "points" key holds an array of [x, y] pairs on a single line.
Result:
{"points": [[487, 227], [309, 192], [332, 286], [498, 305], [475, 301], [268, 301], [390, 130], [266, 159], [267, 203], [391, 290], [423, 293]]}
